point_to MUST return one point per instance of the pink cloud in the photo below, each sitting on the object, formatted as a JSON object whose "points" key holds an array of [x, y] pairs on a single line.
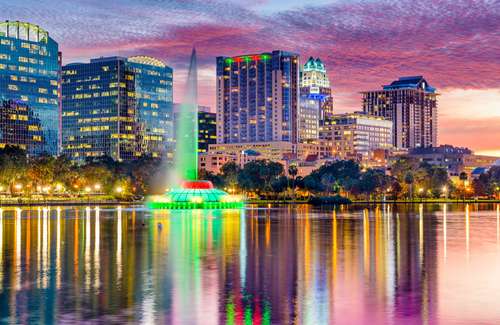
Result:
{"points": [[455, 44]]}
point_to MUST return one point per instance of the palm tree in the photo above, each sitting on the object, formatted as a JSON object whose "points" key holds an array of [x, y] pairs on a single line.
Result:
{"points": [[409, 179], [463, 177], [292, 171]]}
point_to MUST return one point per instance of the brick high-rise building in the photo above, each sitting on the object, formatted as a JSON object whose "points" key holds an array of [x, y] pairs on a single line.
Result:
{"points": [[411, 104]]}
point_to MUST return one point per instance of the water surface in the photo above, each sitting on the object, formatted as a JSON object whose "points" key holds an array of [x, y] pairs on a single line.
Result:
{"points": [[387, 264]]}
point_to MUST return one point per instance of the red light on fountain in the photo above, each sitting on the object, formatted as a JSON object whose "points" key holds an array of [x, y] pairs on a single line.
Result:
{"points": [[197, 185]]}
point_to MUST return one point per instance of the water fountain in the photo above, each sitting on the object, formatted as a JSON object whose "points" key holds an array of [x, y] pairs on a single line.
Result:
{"points": [[188, 191]]}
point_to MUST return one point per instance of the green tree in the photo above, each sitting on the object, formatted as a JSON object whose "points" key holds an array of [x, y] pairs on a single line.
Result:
{"points": [[409, 180], [13, 163], [229, 173], [257, 175], [292, 172]]}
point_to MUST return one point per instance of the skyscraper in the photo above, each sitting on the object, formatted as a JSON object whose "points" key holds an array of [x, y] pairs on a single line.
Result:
{"points": [[30, 65], [257, 98], [117, 107], [411, 104], [315, 85]]}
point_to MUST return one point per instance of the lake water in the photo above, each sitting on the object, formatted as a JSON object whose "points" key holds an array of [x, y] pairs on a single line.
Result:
{"points": [[387, 264]]}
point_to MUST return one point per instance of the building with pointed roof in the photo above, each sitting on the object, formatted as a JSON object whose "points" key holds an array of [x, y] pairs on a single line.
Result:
{"points": [[411, 104], [316, 103]]}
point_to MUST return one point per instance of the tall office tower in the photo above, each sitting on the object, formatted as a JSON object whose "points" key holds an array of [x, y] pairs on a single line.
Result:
{"points": [[117, 107], [411, 104], [315, 85], [30, 65], [257, 98], [154, 102]]}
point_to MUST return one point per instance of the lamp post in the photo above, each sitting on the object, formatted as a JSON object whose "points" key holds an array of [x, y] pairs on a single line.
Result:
{"points": [[87, 190], [388, 191], [445, 192], [18, 187], [421, 191]]}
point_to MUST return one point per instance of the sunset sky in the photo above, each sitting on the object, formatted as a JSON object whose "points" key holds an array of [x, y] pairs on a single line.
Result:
{"points": [[454, 44]]}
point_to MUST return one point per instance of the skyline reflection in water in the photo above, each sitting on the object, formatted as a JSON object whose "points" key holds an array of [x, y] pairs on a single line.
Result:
{"points": [[421, 264]]}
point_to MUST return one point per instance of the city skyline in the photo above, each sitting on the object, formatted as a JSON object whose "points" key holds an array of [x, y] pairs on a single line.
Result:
{"points": [[364, 44]]}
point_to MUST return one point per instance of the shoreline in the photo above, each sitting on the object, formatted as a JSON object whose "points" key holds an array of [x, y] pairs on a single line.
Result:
{"points": [[425, 201], [27, 203], [36, 203]]}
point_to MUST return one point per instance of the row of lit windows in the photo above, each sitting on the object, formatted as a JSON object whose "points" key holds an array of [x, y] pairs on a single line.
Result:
{"points": [[27, 69], [18, 117], [94, 128], [94, 95], [99, 119]]}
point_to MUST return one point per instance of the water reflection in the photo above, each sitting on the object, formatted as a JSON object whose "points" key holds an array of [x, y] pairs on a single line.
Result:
{"points": [[380, 264]]}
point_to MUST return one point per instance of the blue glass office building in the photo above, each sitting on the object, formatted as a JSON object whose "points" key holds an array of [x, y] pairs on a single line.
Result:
{"points": [[117, 107], [29, 88], [257, 97]]}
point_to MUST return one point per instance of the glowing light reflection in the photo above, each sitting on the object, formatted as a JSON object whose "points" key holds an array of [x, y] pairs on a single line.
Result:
{"points": [[97, 236], [119, 244]]}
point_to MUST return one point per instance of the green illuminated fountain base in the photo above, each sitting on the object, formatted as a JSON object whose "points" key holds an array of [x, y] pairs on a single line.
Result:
{"points": [[195, 195]]}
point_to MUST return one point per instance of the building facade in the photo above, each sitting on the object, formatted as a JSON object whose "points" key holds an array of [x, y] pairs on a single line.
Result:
{"points": [[207, 129], [411, 104], [309, 118], [117, 107], [154, 103], [207, 126], [258, 98], [30, 65], [315, 85], [455, 159], [354, 136]]}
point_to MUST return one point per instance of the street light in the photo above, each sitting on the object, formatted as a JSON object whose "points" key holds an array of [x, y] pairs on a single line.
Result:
{"points": [[97, 187], [18, 187], [87, 189], [119, 189]]}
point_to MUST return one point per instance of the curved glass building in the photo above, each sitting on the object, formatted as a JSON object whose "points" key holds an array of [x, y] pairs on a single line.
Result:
{"points": [[29, 88]]}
